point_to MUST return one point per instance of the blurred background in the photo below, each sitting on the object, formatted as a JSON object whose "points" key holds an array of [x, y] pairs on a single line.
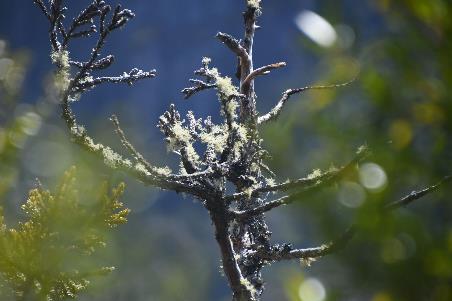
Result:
{"points": [[399, 106]]}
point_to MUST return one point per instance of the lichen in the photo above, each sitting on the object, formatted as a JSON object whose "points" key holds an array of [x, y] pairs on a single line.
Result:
{"points": [[192, 155], [249, 287], [206, 60], [180, 137], [270, 181], [225, 87], [315, 174], [216, 138], [164, 171], [307, 262], [62, 76], [231, 108], [111, 158], [241, 138]]}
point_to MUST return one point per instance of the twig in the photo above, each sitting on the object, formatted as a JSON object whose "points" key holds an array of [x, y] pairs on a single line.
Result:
{"points": [[306, 184], [414, 195], [338, 244], [262, 71], [277, 109]]}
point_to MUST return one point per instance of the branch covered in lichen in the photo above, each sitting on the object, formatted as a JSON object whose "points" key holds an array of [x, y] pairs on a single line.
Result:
{"points": [[213, 156], [72, 86], [314, 181]]}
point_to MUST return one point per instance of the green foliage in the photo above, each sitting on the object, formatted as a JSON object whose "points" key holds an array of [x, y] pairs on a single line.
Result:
{"points": [[49, 256]]}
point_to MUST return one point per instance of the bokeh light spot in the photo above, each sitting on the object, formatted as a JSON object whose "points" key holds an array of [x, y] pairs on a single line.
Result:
{"points": [[312, 290], [449, 240], [401, 133], [372, 176], [351, 194], [382, 296], [393, 250], [428, 113], [316, 28], [31, 123], [47, 158], [5, 65], [346, 36], [2, 139], [2, 47]]}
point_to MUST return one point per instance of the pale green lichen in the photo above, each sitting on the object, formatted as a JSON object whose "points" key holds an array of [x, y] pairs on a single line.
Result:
{"points": [[111, 158], [307, 262], [315, 174], [254, 3], [242, 138], [181, 133], [62, 76], [270, 181], [226, 89], [249, 287], [216, 138], [86, 79], [181, 137], [206, 60], [182, 170], [60, 58], [231, 107], [141, 168], [192, 155], [163, 171]]}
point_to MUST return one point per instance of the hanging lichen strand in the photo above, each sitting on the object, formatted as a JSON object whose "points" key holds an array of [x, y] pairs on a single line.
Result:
{"points": [[233, 152]]}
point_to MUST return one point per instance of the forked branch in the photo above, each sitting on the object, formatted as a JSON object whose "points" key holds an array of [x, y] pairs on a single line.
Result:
{"points": [[310, 254], [277, 109]]}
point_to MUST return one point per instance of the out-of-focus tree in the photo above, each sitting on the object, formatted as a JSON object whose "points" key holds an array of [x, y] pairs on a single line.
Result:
{"points": [[53, 254], [400, 105]]}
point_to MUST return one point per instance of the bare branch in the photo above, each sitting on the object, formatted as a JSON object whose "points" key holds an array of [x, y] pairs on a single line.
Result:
{"points": [[198, 86], [43, 8], [137, 155], [414, 195], [308, 254], [100, 64], [262, 71], [276, 111], [234, 46], [279, 254], [128, 78]]}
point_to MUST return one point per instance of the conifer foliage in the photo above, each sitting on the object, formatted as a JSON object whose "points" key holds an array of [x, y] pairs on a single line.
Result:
{"points": [[45, 257]]}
